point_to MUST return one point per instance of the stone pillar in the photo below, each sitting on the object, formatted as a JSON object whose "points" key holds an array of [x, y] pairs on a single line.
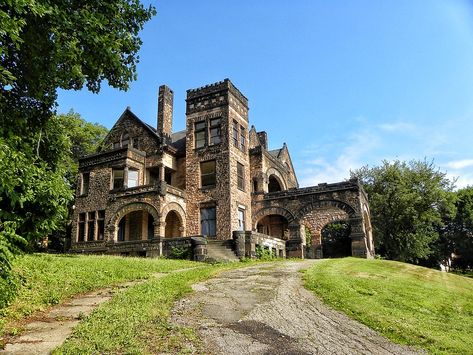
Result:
{"points": [[359, 247], [239, 238], [199, 248], [125, 177], [294, 246]]}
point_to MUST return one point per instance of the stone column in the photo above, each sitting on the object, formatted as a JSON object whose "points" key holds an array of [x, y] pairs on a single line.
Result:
{"points": [[359, 247]]}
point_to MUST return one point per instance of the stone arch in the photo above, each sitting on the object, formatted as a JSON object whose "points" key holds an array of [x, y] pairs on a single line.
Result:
{"points": [[124, 210], [180, 213], [274, 210], [273, 172], [318, 214]]}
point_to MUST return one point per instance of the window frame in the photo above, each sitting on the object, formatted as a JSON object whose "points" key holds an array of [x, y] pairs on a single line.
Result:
{"points": [[215, 124], [114, 179], [207, 175], [81, 220], [208, 220], [202, 130], [240, 176], [242, 138], [137, 178], [84, 187], [241, 222], [235, 134]]}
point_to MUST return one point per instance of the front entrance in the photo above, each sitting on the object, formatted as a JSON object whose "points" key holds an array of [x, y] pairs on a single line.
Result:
{"points": [[136, 225]]}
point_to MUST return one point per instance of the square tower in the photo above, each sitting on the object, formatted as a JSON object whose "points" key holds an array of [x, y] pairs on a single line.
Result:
{"points": [[217, 161]]}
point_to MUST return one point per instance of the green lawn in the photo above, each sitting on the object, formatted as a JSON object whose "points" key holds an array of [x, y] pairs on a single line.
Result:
{"points": [[406, 303], [45, 280]]}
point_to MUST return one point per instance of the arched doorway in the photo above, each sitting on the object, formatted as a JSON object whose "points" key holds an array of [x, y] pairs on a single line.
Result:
{"points": [[135, 225], [274, 184], [173, 225], [336, 241], [273, 225]]}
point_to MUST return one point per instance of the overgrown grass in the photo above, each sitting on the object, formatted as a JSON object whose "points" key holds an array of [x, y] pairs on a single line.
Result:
{"points": [[45, 280], [137, 321], [406, 303]]}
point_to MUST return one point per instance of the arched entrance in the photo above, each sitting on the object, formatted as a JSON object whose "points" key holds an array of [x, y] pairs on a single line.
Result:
{"points": [[273, 225], [173, 225], [135, 225], [273, 184], [336, 241]]}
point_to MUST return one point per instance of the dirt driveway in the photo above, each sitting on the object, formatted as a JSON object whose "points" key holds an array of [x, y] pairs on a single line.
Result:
{"points": [[264, 309]]}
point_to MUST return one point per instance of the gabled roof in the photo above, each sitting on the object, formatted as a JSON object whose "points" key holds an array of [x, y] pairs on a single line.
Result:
{"points": [[275, 152]]}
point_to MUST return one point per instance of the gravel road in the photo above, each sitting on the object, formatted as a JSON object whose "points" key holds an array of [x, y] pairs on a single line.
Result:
{"points": [[264, 309]]}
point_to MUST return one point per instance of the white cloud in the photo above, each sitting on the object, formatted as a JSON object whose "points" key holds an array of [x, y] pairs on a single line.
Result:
{"points": [[459, 164], [398, 126]]}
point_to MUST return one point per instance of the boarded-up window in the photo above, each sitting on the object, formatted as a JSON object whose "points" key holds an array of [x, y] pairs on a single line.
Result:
{"points": [[133, 178], [208, 224]]}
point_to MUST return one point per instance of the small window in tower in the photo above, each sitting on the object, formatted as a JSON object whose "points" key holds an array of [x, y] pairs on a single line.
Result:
{"points": [[242, 138], [132, 178], [200, 137], [215, 131], [84, 187], [241, 176], [118, 176], [207, 173], [235, 134], [125, 140]]}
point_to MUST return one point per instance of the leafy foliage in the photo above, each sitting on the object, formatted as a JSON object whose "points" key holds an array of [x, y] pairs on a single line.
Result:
{"points": [[336, 241], [408, 202], [44, 46]]}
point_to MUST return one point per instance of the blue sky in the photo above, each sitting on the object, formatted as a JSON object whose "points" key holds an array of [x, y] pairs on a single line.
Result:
{"points": [[343, 83]]}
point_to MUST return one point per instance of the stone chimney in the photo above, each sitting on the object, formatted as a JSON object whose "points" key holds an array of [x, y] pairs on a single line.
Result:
{"points": [[263, 138], [165, 103]]}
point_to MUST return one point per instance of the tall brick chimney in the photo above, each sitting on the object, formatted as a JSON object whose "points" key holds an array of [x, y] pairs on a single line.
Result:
{"points": [[165, 103]]}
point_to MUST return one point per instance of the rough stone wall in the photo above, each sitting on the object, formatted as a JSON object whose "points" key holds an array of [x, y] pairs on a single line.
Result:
{"points": [[129, 124], [318, 218], [165, 108]]}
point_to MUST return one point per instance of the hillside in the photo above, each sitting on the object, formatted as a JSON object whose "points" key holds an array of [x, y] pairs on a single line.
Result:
{"points": [[406, 303]]}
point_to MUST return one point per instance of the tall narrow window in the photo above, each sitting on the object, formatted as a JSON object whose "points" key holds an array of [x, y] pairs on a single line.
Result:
{"points": [[81, 228], [207, 173], [91, 226], [241, 176], [208, 221], [241, 219], [200, 128], [100, 224], [235, 134], [84, 187], [215, 131], [132, 178], [242, 138], [118, 176]]}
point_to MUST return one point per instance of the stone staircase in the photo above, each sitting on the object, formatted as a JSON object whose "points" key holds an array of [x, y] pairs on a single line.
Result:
{"points": [[221, 250]]}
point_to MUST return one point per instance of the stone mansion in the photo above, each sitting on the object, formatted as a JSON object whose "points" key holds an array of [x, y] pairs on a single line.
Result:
{"points": [[148, 189]]}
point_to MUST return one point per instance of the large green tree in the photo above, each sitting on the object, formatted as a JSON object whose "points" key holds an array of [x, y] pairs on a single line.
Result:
{"points": [[46, 45], [408, 203]]}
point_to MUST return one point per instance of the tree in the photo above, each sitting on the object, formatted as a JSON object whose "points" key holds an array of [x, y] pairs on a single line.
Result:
{"points": [[408, 203], [46, 45], [459, 231]]}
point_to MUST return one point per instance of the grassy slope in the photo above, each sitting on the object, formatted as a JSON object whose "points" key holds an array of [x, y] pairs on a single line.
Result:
{"points": [[137, 321], [46, 280], [408, 304]]}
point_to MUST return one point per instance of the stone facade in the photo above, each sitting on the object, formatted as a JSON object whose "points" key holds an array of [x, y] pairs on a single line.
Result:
{"points": [[148, 189]]}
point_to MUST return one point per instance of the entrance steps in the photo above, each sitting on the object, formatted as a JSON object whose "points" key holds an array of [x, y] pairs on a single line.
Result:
{"points": [[221, 250]]}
